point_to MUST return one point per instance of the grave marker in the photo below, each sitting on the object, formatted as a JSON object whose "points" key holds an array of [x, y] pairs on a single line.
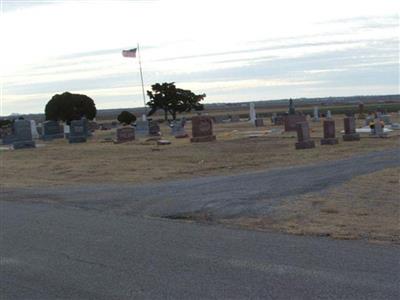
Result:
{"points": [[23, 135], [52, 130], [78, 131], [125, 134], [329, 133], [303, 136], [350, 130], [202, 129]]}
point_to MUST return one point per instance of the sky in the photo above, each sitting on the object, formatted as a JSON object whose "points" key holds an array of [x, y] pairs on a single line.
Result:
{"points": [[234, 51]]}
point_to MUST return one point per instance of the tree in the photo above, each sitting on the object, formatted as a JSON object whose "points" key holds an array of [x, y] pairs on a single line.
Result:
{"points": [[173, 100], [67, 107], [126, 117]]}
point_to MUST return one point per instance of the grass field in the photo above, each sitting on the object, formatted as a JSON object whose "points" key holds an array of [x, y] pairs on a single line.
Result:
{"points": [[351, 211], [60, 163]]}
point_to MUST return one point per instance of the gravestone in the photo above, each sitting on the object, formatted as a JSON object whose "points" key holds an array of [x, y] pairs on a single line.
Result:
{"points": [[202, 129], [142, 128], [329, 133], [23, 135], [52, 130], [290, 121], [386, 119], [328, 114], [378, 129], [259, 122], [303, 136], [78, 131], [291, 110], [7, 135], [277, 119], [125, 134], [178, 129], [35, 133], [316, 114], [219, 119], [361, 114], [252, 114], [154, 128], [350, 130], [235, 118], [368, 120]]}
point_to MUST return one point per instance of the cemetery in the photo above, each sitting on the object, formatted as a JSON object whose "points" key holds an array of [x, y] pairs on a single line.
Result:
{"points": [[196, 145]]}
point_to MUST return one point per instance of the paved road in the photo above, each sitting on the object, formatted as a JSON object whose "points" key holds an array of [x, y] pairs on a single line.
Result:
{"points": [[50, 252], [98, 242]]}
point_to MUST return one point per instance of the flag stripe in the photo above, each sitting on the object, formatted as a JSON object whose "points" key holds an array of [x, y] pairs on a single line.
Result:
{"points": [[129, 53]]}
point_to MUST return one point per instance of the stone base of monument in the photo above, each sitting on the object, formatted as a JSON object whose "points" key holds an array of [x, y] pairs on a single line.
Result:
{"points": [[24, 144], [76, 139], [351, 137], [305, 145], [259, 122], [330, 141], [200, 139], [50, 137]]}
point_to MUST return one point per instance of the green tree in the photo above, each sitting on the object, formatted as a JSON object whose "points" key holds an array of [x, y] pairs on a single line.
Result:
{"points": [[67, 107], [125, 117], [172, 100]]}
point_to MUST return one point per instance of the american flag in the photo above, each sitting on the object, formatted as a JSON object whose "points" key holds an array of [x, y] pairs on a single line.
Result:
{"points": [[129, 53]]}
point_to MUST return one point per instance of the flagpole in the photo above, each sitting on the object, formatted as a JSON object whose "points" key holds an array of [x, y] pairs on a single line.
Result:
{"points": [[141, 77]]}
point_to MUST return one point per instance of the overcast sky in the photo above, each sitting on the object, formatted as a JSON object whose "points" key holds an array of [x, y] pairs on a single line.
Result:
{"points": [[231, 50]]}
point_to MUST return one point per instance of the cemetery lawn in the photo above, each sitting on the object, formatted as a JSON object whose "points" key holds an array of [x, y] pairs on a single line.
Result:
{"points": [[59, 163], [366, 207]]}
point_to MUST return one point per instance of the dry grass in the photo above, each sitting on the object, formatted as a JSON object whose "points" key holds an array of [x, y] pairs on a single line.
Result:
{"points": [[60, 163], [366, 207]]}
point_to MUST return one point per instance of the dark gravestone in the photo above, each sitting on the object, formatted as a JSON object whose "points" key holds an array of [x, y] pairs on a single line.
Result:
{"points": [[125, 134], [52, 130], [7, 136], [329, 133], [78, 131], [23, 135], [350, 130], [303, 136], [154, 128], [291, 110], [290, 121], [202, 129], [259, 122]]}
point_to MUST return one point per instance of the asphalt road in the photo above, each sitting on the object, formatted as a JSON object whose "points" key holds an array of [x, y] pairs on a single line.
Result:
{"points": [[101, 242]]}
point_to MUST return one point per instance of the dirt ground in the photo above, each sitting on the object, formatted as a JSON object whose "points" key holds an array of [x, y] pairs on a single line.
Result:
{"points": [[367, 207], [60, 163]]}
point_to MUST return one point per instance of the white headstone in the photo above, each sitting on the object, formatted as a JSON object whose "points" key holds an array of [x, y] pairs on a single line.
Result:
{"points": [[35, 133], [252, 114], [316, 114], [328, 114], [66, 128], [144, 118]]}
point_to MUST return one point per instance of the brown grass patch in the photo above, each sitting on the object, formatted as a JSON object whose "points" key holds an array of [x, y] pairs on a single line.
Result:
{"points": [[60, 163], [367, 207]]}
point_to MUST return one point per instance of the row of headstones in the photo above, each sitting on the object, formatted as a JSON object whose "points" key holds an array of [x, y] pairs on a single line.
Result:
{"points": [[202, 130], [24, 132], [303, 133]]}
